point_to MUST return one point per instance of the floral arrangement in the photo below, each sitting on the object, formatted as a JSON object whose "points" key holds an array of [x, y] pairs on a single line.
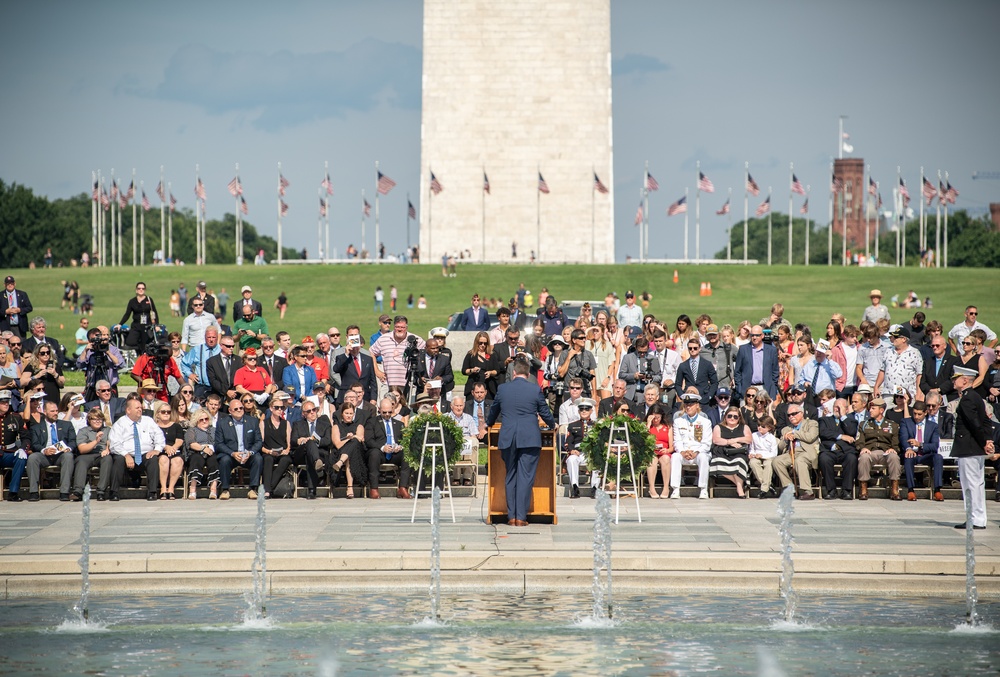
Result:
{"points": [[595, 445], [413, 441]]}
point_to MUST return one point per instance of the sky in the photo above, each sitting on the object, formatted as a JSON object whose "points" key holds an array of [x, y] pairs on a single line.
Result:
{"points": [[123, 85]]}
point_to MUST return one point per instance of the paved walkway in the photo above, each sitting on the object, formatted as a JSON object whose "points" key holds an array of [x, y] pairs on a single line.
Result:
{"points": [[723, 543]]}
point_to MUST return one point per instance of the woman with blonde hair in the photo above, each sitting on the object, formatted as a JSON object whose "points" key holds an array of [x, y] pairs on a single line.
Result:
{"points": [[476, 363], [606, 354], [742, 333], [170, 460]]}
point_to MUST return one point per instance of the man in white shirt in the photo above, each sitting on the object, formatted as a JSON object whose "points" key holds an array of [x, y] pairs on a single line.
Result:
{"points": [[629, 315], [692, 443], [195, 324], [964, 328], [138, 441]]}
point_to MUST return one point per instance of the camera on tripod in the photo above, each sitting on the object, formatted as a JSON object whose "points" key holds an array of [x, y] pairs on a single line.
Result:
{"points": [[100, 344], [157, 346], [411, 354]]}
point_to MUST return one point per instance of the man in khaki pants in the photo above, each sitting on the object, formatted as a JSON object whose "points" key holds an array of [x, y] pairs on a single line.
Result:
{"points": [[878, 443], [799, 440]]}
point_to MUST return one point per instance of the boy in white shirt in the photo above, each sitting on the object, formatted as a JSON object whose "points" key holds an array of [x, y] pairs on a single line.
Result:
{"points": [[763, 450]]}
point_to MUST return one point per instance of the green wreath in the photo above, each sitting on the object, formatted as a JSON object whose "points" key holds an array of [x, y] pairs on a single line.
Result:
{"points": [[413, 441], [595, 444]]}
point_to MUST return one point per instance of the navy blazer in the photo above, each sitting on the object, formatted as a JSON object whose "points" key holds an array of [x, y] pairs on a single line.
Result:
{"points": [[23, 304], [518, 404], [323, 428], [469, 320], [116, 405], [908, 431], [344, 365], [744, 369], [706, 380], [226, 441], [941, 380], [290, 377], [972, 427], [40, 435]]}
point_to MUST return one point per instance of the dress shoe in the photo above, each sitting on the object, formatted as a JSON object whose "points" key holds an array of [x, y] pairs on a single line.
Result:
{"points": [[845, 495], [703, 494], [403, 492], [114, 497], [864, 492], [894, 491], [75, 497], [829, 495], [224, 496], [675, 492], [574, 491], [373, 494], [101, 496], [13, 497], [319, 465], [938, 496], [807, 497], [962, 526], [33, 497], [252, 495], [996, 495], [311, 495], [910, 495], [64, 498], [152, 497]]}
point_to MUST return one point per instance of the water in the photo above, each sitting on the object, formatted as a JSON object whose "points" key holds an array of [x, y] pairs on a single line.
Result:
{"points": [[435, 589], [786, 506], [971, 592], [256, 610], [603, 609], [82, 607], [367, 633]]}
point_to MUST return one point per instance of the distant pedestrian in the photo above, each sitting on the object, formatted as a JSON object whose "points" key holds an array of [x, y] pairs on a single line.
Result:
{"points": [[281, 303], [379, 297], [393, 294], [422, 303], [48, 257], [409, 301]]}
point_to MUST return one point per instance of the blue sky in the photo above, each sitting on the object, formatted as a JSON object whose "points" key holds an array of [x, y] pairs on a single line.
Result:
{"points": [[120, 85]]}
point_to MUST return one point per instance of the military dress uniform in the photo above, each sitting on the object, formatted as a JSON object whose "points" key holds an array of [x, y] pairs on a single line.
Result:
{"points": [[879, 437], [12, 454]]}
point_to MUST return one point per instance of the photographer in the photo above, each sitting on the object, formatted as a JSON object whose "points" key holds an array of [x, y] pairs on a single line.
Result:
{"points": [[638, 370], [142, 310], [355, 367], [158, 364], [100, 361], [578, 362], [400, 352]]}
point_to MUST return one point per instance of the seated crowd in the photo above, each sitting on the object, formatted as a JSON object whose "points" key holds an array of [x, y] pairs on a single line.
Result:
{"points": [[764, 403]]}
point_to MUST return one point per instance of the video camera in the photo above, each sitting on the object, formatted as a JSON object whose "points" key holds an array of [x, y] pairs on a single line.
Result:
{"points": [[157, 345], [768, 336], [411, 354]]}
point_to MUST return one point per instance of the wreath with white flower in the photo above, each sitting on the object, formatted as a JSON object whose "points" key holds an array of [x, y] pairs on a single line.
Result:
{"points": [[413, 441], [642, 443]]}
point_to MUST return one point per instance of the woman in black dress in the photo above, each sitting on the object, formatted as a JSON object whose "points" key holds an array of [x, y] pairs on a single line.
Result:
{"points": [[142, 310], [730, 450], [171, 460], [277, 449], [349, 449], [476, 363]]}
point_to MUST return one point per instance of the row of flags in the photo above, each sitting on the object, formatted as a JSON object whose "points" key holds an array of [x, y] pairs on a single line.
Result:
{"points": [[106, 198]]}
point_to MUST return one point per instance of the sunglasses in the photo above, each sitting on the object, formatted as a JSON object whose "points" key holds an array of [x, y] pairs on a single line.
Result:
{"points": [[732, 417], [197, 305], [278, 408], [187, 392], [236, 408], [334, 335], [308, 411], [228, 345], [104, 390], [247, 401], [249, 358], [14, 344], [757, 335], [972, 312]]}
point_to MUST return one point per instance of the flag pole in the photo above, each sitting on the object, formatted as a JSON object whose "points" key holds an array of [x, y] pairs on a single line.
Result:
{"points": [[769, 238], [170, 224], [902, 221], [644, 226], [920, 235], [142, 227], [729, 227], [897, 201], [483, 191], [363, 201], [791, 221], [198, 254], [236, 198], [808, 229], [114, 209], [119, 231], [538, 217], [843, 244], [878, 218], [593, 222], [946, 225], [163, 220], [134, 235], [697, 217], [937, 230], [833, 198], [94, 199], [746, 209], [326, 202], [868, 219], [686, 259], [407, 221], [840, 138]]}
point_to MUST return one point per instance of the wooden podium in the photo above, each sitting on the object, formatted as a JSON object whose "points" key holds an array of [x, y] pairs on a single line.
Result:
{"points": [[543, 493]]}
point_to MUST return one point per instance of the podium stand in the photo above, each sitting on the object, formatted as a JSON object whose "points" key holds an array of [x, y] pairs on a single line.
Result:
{"points": [[543, 493]]}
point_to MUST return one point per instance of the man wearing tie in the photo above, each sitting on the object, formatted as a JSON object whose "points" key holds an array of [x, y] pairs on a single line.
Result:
{"points": [[14, 309], [478, 408], [475, 318], [936, 372], [435, 366], [837, 433], [919, 437], [52, 443], [311, 444], [112, 408], [194, 364], [518, 405], [383, 439], [238, 442], [698, 373], [354, 366], [272, 363], [136, 442], [222, 368], [247, 300]]}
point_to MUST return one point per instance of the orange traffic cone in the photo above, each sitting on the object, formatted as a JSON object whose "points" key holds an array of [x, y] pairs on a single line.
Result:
{"points": [[675, 277], [704, 289], [708, 289]]}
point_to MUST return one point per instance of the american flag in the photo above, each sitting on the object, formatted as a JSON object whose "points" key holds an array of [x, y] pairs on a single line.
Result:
{"points": [[598, 186], [326, 184], [638, 215], [384, 184], [282, 184], [145, 202], [160, 192], [872, 186], [131, 191], [678, 207], [486, 184], [651, 183], [542, 186], [96, 193], [805, 207], [879, 203], [724, 210], [173, 202], [950, 195], [122, 200], [243, 206], [105, 200], [199, 189], [836, 185], [942, 192], [366, 208], [764, 207], [234, 187], [797, 186], [752, 186], [436, 186], [114, 191], [705, 185], [284, 207], [904, 192], [411, 212], [929, 191], [322, 208]]}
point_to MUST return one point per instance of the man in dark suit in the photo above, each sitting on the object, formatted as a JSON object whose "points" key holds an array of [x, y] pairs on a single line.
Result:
{"points": [[609, 405], [247, 300], [112, 408], [698, 373], [518, 404], [475, 318], [311, 444], [794, 395], [478, 407], [52, 443], [202, 295], [273, 363], [715, 412], [973, 442], [638, 369], [383, 440], [37, 328], [238, 443], [757, 364], [222, 368], [502, 358], [355, 367], [518, 318], [936, 373], [14, 309], [920, 440], [836, 446], [433, 365], [945, 419]]}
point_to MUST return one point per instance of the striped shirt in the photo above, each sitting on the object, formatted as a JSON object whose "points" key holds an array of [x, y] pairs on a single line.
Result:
{"points": [[391, 352]]}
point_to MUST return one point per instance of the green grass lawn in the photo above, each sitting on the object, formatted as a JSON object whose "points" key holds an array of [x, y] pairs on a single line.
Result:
{"points": [[321, 296]]}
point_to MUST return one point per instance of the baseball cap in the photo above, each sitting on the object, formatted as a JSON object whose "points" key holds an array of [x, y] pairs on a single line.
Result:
{"points": [[9, 279], [723, 392], [201, 284], [629, 295], [711, 329], [246, 287]]}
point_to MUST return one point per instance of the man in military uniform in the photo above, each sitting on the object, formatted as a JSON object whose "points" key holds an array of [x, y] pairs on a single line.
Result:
{"points": [[878, 443], [973, 441], [575, 432], [12, 454], [692, 443]]}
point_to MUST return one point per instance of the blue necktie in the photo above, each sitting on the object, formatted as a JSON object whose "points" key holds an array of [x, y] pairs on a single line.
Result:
{"points": [[388, 437], [135, 440], [54, 433], [937, 366]]}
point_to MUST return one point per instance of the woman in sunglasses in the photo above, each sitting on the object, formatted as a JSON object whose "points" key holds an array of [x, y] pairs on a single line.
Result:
{"points": [[277, 449], [730, 450], [171, 460], [476, 363], [45, 368], [203, 465]]}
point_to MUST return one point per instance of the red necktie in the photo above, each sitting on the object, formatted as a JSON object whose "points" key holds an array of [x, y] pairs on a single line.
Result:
{"points": [[357, 364]]}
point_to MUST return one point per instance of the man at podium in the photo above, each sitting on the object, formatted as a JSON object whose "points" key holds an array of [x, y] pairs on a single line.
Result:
{"points": [[518, 404]]}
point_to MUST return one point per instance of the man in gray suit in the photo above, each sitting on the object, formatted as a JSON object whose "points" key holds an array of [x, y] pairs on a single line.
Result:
{"points": [[518, 404]]}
